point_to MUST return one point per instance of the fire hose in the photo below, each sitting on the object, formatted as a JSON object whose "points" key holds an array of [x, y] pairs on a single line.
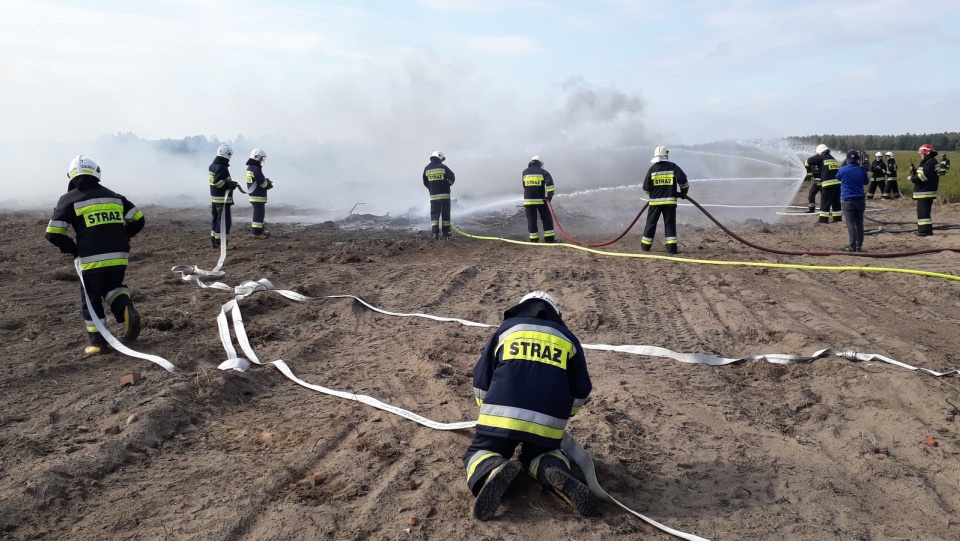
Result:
{"points": [[757, 246]]}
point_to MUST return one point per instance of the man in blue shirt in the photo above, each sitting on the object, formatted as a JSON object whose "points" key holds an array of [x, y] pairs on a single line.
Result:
{"points": [[853, 200]]}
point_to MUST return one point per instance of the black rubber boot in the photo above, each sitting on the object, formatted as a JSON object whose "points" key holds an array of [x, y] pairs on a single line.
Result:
{"points": [[571, 490], [131, 323], [491, 495]]}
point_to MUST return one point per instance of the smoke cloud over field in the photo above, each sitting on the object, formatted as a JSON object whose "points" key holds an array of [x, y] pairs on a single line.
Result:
{"points": [[589, 138]]}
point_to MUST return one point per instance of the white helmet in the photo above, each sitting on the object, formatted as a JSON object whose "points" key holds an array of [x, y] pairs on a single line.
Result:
{"points": [[438, 155], [224, 151], [661, 152], [82, 165], [822, 148], [258, 154], [537, 159], [889, 154], [878, 154], [543, 296]]}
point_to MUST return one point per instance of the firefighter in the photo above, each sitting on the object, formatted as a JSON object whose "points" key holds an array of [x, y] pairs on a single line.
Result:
{"points": [[530, 379], [221, 195], [257, 186], [438, 178], [665, 181], [104, 222], [926, 182], [537, 191], [878, 171], [891, 189], [944, 166], [812, 165], [829, 185]]}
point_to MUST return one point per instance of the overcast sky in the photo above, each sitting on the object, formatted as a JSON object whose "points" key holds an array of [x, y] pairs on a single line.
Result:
{"points": [[421, 75]]}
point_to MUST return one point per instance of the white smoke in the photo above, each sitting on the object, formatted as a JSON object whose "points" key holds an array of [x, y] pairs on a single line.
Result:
{"points": [[589, 138]]}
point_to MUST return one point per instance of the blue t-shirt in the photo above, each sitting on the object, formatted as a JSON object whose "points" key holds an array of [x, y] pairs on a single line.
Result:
{"points": [[852, 179]]}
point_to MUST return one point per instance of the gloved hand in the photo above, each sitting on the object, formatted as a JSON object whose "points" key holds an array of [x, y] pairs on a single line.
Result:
{"points": [[549, 198], [682, 195], [233, 185], [269, 184]]}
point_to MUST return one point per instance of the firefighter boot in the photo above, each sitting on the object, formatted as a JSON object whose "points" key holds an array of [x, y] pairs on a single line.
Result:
{"points": [[98, 345], [673, 249], [491, 495], [571, 490], [131, 323]]}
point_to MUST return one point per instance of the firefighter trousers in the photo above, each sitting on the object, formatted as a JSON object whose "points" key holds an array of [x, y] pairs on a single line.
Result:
{"points": [[106, 283], [891, 189], [830, 204], [487, 452], [812, 196], [925, 216], [220, 217], [259, 217], [440, 217], [532, 211], [669, 213]]}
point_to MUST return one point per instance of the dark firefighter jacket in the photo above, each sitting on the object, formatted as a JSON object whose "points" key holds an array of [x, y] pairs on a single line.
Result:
{"points": [[812, 165], [828, 166], [438, 178], [221, 185], [944, 167], [257, 184], [926, 181], [891, 167], [664, 181], [537, 184], [878, 169], [103, 220], [531, 377]]}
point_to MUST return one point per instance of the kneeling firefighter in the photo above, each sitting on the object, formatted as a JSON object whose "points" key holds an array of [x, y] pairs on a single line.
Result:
{"points": [[530, 379]]}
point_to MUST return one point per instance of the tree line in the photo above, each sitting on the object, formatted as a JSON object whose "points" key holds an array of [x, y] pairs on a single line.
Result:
{"points": [[944, 142]]}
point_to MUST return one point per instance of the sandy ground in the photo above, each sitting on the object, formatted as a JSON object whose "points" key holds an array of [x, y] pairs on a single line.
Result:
{"points": [[829, 449]]}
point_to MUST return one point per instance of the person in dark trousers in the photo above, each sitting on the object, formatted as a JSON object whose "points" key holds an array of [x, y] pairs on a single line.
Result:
{"points": [[829, 185], [944, 166], [221, 195], [853, 200], [537, 190], [664, 183], [530, 379], [812, 165], [890, 189], [438, 178], [878, 172], [257, 187], [926, 182], [104, 222]]}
